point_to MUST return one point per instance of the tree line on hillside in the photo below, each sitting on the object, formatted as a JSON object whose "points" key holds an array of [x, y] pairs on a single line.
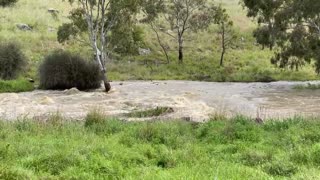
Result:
{"points": [[111, 24], [289, 28]]}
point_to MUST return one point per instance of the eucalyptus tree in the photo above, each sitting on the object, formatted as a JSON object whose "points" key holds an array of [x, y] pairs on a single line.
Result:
{"points": [[293, 26], [188, 15], [152, 11], [265, 12], [96, 18], [226, 32]]}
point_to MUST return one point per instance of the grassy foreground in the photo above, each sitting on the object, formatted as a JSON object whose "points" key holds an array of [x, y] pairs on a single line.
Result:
{"points": [[111, 149]]}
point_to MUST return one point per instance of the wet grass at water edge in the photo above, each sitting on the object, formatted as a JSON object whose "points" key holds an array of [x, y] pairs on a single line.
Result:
{"points": [[19, 85]]}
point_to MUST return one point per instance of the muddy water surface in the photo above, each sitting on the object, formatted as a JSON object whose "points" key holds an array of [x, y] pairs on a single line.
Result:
{"points": [[192, 100]]}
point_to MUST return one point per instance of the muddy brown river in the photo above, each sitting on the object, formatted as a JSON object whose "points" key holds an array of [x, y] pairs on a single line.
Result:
{"points": [[196, 101]]}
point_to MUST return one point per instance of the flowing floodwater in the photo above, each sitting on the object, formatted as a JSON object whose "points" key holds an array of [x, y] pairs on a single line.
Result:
{"points": [[196, 101]]}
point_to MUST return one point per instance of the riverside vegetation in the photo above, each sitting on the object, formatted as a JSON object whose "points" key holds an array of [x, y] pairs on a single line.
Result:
{"points": [[106, 148], [244, 62]]}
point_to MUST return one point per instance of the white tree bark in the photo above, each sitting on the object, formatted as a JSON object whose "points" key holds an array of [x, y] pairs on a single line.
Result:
{"points": [[96, 22]]}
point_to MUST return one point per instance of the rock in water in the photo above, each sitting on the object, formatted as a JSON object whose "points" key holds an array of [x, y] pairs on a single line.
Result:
{"points": [[24, 27], [71, 91]]}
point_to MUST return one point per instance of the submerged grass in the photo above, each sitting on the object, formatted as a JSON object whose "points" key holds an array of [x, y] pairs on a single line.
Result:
{"points": [[19, 85], [106, 148], [310, 86], [156, 112]]}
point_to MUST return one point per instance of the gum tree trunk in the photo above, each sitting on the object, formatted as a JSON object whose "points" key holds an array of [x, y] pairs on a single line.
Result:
{"points": [[180, 49], [94, 30], [223, 44]]}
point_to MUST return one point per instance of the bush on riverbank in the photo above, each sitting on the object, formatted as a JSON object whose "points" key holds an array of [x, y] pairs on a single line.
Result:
{"points": [[12, 61], [110, 149], [63, 70]]}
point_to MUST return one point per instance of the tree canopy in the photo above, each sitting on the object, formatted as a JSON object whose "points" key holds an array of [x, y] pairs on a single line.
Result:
{"points": [[292, 26], [189, 15], [6, 3]]}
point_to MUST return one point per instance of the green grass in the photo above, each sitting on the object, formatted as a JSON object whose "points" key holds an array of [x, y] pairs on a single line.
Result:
{"points": [[19, 85], [245, 68], [111, 149]]}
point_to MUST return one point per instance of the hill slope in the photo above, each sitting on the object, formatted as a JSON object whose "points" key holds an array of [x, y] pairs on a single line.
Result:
{"points": [[245, 63]]}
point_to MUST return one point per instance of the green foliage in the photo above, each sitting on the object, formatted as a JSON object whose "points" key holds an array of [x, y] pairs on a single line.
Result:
{"points": [[183, 16], [12, 61], [5, 3], [19, 85], [281, 168], [53, 164], [263, 37], [94, 118], [255, 158], [126, 38], [99, 124], [196, 15], [68, 31], [65, 32], [226, 32], [63, 70], [122, 34], [293, 26]]}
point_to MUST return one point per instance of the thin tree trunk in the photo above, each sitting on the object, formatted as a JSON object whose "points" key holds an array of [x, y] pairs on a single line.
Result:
{"points": [[105, 80], [99, 59], [180, 55], [180, 51], [223, 44], [160, 43], [166, 54], [106, 83], [222, 58]]}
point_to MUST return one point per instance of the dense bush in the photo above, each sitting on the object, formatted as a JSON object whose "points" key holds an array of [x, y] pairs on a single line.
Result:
{"points": [[12, 61], [63, 70], [5, 3]]}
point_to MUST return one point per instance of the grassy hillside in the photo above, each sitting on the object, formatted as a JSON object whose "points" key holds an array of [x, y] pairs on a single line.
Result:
{"points": [[110, 149], [245, 63]]}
